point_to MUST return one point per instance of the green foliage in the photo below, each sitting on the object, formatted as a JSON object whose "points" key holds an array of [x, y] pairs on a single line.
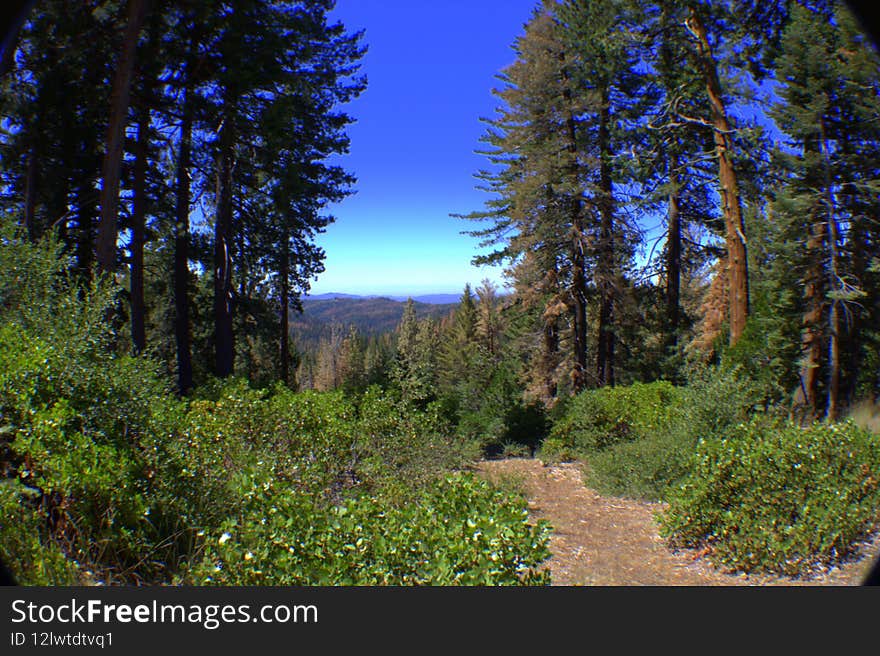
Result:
{"points": [[112, 479], [767, 350], [773, 497], [641, 439], [79, 435], [491, 410], [642, 469], [714, 399], [461, 532], [81, 422], [402, 447], [23, 547], [598, 419]]}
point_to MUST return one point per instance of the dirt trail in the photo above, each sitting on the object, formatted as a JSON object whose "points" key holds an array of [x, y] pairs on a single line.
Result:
{"points": [[601, 540]]}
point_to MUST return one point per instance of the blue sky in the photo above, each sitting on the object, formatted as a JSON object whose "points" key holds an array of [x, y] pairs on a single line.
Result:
{"points": [[430, 68]]}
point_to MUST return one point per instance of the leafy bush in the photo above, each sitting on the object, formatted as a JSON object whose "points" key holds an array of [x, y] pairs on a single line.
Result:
{"points": [[461, 532], [643, 469], [715, 399], [400, 446], [80, 435], [108, 477], [640, 439], [598, 419], [774, 497], [23, 547]]}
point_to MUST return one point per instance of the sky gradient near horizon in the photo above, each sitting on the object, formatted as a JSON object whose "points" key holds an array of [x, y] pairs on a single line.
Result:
{"points": [[431, 67]]}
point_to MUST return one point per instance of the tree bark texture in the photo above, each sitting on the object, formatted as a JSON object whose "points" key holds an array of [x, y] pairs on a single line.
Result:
{"points": [[285, 309], [606, 269], [737, 271], [181, 246], [139, 231], [223, 291], [112, 164], [673, 253]]}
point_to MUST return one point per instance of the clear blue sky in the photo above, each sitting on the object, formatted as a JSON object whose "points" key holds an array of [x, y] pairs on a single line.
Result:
{"points": [[430, 68]]}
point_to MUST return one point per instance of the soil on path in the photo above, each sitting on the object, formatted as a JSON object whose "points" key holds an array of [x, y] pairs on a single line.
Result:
{"points": [[600, 540]]}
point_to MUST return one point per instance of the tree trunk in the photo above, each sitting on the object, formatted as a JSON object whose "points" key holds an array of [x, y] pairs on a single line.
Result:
{"points": [[834, 285], [737, 272], [57, 208], [550, 355], [85, 218], [181, 245], [673, 253], [285, 309], [30, 197], [139, 229], [605, 269], [578, 247], [673, 215], [859, 237], [812, 339], [139, 209], [223, 291], [110, 171]]}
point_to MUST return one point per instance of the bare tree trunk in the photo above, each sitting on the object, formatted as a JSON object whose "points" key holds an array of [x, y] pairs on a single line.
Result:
{"points": [[85, 217], [285, 309], [606, 269], [181, 245], [223, 291], [673, 213], [30, 197], [110, 173], [550, 355], [139, 209], [737, 271], [578, 246], [834, 285], [57, 209], [812, 339], [673, 253], [138, 231]]}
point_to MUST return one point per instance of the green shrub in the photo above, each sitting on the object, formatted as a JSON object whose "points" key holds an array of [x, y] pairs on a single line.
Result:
{"points": [[598, 419], [401, 446], [715, 399], [489, 409], [460, 532], [640, 439], [80, 433], [107, 477], [644, 469], [27, 553], [774, 497]]}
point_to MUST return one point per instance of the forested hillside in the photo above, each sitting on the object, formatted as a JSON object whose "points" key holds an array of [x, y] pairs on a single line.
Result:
{"points": [[685, 198], [371, 316]]}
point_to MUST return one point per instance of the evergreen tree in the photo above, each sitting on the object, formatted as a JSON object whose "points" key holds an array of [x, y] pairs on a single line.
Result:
{"points": [[820, 193], [459, 343]]}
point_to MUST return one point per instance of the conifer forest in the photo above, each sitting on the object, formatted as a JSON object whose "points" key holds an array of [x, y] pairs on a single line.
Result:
{"points": [[684, 196]]}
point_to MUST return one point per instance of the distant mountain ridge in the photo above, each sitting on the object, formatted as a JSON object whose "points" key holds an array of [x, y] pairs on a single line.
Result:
{"points": [[371, 315], [430, 299]]}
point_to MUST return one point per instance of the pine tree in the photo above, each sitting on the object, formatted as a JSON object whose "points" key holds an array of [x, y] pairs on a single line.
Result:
{"points": [[459, 343], [820, 193]]}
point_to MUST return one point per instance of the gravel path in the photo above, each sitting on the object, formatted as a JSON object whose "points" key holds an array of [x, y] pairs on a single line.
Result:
{"points": [[601, 540]]}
